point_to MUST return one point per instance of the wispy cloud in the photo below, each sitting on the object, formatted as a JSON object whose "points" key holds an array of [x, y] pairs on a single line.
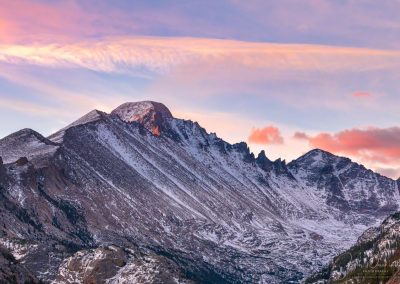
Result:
{"points": [[365, 23], [301, 136], [59, 58], [159, 54], [299, 76], [356, 23], [361, 94], [28, 107], [24, 21]]}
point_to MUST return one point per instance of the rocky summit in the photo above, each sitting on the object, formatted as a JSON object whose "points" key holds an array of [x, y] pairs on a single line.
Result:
{"points": [[138, 196]]}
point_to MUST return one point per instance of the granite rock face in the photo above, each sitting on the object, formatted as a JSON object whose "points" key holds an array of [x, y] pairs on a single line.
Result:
{"points": [[151, 185]]}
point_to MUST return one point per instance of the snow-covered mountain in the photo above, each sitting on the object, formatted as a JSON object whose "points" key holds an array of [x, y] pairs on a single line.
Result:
{"points": [[142, 182], [375, 258]]}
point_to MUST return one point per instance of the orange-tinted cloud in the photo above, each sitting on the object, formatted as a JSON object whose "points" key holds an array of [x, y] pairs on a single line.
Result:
{"points": [[362, 95], [208, 67], [267, 135], [161, 53], [377, 145]]}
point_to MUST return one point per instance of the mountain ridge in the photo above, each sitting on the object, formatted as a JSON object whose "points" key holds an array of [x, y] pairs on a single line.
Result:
{"points": [[161, 108], [211, 207]]}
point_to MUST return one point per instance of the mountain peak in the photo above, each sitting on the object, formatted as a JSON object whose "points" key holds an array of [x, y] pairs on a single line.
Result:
{"points": [[25, 143], [150, 114], [318, 158], [318, 152], [316, 155], [138, 111], [25, 135]]}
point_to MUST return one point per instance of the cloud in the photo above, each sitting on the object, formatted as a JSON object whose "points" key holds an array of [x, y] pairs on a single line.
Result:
{"points": [[30, 108], [379, 144], [266, 136], [25, 21], [317, 20], [374, 146], [389, 172], [370, 23], [362, 95], [295, 76], [301, 136], [159, 54], [211, 67]]}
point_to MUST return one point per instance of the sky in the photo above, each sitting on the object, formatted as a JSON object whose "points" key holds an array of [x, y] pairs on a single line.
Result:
{"points": [[285, 76]]}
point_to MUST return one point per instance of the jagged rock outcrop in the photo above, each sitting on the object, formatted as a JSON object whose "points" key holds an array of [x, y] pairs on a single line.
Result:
{"points": [[112, 264], [263, 162], [216, 212]]}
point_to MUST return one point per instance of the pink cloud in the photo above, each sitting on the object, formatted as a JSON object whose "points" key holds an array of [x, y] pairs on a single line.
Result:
{"points": [[267, 135], [26, 21], [392, 172], [362, 95], [372, 145], [209, 67]]}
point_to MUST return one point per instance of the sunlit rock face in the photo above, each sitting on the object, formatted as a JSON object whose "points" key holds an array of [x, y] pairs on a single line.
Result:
{"points": [[151, 115], [140, 179]]}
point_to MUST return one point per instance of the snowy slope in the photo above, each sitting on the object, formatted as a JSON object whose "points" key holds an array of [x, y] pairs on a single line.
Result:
{"points": [[140, 176], [375, 258], [26, 143]]}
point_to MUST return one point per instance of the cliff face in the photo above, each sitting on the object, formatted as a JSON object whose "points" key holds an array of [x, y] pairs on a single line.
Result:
{"points": [[209, 209]]}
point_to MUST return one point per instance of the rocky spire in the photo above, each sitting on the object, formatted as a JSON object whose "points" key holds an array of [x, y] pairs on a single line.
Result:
{"points": [[263, 161]]}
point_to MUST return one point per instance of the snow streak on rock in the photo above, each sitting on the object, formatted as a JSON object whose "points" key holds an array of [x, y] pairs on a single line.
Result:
{"points": [[140, 179]]}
